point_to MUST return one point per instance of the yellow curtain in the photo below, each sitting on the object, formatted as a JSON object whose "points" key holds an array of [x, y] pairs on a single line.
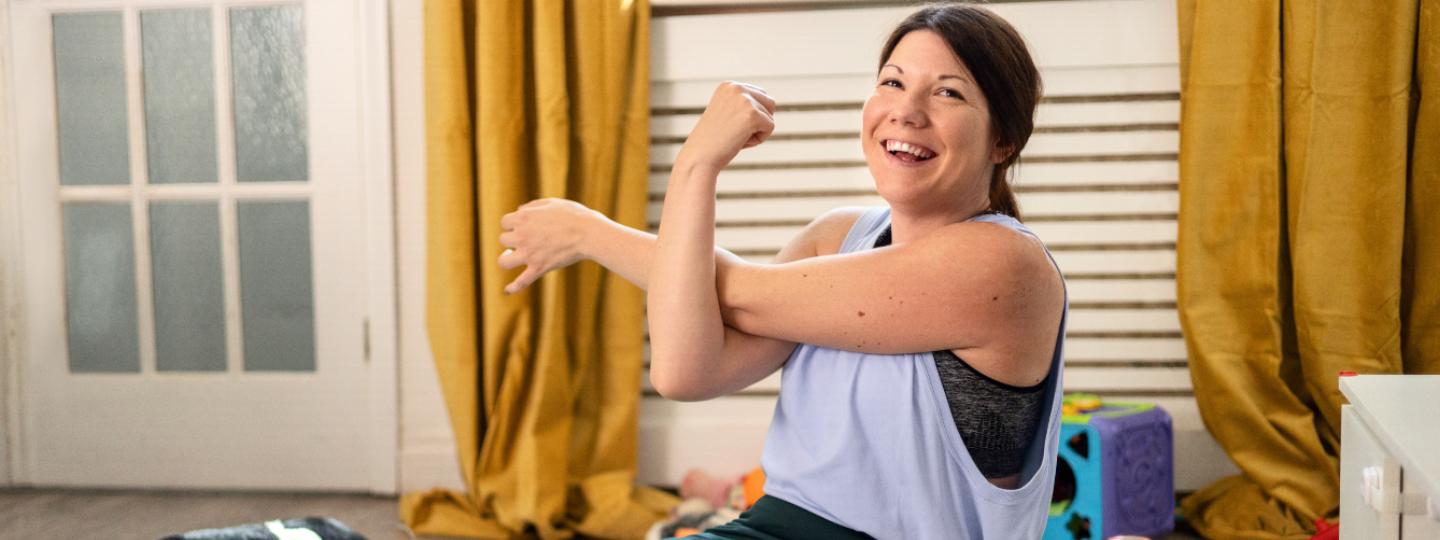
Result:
{"points": [[543, 98], [1309, 237]]}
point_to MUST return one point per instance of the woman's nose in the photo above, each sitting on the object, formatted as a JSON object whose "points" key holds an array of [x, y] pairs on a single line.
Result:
{"points": [[908, 112]]}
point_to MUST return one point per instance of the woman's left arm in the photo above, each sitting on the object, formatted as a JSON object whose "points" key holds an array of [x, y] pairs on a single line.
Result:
{"points": [[965, 285]]}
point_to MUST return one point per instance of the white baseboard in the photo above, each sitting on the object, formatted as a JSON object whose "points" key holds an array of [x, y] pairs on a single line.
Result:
{"points": [[1199, 460], [429, 466]]}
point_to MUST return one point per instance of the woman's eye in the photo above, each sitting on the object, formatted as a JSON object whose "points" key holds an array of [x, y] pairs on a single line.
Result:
{"points": [[951, 93], [891, 83]]}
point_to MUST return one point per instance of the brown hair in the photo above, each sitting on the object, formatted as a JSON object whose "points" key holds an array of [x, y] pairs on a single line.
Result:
{"points": [[1001, 64]]}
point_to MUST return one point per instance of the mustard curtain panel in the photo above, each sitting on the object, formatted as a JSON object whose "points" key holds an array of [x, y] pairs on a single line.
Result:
{"points": [[1309, 237], [543, 98]]}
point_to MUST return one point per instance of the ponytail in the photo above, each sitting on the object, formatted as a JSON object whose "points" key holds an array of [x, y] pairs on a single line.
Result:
{"points": [[1002, 199]]}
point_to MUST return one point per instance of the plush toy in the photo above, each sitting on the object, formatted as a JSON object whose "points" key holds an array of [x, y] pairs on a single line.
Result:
{"points": [[709, 501]]}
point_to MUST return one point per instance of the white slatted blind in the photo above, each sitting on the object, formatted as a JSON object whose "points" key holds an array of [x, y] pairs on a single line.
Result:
{"points": [[1098, 182]]}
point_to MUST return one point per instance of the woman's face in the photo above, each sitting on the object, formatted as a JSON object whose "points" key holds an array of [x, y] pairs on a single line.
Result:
{"points": [[926, 131]]}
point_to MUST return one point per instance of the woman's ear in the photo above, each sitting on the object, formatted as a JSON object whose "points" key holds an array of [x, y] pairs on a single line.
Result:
{"points": [[1001, 153]]}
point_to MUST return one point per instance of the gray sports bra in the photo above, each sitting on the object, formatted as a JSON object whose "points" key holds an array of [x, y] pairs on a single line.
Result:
{"points": [[996, 420]]}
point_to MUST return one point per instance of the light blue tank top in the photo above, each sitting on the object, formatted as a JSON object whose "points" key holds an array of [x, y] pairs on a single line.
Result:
{"points": [[867, 440]]}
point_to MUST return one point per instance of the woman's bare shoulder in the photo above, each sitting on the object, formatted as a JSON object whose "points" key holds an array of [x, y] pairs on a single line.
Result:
{"points": [[829, 230], [1020, 332]]}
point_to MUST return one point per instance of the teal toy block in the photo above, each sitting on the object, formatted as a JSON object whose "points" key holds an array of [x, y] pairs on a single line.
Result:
{"points": [[1115, 474]]}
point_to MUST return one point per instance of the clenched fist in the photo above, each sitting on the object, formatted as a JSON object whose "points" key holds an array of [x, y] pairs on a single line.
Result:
{"points": [[738, 116]]}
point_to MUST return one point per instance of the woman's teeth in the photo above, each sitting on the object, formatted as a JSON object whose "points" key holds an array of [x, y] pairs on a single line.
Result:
{"points": [[898, 146]]}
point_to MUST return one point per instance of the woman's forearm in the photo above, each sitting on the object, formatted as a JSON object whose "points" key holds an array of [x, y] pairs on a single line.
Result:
{"points": [[686, 329], [623, 250], [629, 252]]}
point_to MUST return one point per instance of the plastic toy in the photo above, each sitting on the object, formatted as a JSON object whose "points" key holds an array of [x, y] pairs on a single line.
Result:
{"points": [[1115, 474]]}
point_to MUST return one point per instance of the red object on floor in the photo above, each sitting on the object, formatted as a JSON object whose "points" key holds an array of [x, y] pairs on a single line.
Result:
{"points": [[1325, 531]]}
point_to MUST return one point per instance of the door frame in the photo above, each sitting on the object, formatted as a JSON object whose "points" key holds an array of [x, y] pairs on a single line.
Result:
{"points": [[379, 210], [10, 311], [382, 299]]}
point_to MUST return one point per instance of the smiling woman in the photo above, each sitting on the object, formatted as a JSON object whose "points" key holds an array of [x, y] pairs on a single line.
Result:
{"points": [[1006, 73], [920, 341]]}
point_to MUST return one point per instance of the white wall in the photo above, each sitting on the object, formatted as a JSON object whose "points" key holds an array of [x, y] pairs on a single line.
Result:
{"points": [[427, 445], [1125, 49]]}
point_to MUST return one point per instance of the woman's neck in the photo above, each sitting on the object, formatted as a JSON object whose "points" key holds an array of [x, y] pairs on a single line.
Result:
{"points": [[907, 226]]}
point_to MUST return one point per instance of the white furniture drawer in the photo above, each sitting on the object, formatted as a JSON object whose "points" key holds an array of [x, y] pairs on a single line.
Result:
{"points": [[1390, 458]]}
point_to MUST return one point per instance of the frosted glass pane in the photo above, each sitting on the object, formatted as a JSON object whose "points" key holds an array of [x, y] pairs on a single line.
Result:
{"points": [[189, 291], [267, 52], [100, 288], [275, 286], [90, 99], [179, 95]]}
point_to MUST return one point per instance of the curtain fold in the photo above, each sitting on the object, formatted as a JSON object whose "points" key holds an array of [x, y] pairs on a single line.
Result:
{"points": [[1420, 300], [1308, 238], [525, 100]]}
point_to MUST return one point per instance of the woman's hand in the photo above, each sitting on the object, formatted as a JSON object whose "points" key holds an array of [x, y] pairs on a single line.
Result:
{"points": [[738, 116], [544, 235]]}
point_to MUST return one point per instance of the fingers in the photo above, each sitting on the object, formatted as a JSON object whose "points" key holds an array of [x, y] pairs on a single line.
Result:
{"points": [[757, 96], [511, 220], [763, 104], [766, 114], [509, 260], [760, 96], [763, 132], [765, 126], [526, 278]]}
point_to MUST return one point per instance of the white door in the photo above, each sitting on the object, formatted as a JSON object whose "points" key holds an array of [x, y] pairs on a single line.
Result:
{"points": [[193, 240]]}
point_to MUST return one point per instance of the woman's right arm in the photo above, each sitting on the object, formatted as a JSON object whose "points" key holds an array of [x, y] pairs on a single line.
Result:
{"points": [[547, 234]]}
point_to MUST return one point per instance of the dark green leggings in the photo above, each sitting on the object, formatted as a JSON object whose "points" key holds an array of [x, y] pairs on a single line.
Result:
{"points": [[774, 519]]}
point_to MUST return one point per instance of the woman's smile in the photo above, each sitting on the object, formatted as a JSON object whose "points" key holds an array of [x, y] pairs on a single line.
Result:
{"points": [[907, 151]]}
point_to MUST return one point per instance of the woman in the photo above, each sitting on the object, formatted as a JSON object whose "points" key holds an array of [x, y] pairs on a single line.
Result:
{"points": [[921, 400]]}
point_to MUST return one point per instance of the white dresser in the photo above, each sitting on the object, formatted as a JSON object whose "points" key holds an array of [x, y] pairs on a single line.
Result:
{"points": [[1390, 457]]}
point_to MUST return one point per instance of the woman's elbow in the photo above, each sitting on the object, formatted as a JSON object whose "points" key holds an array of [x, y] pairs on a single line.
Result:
{"points": [[676, 386]]}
